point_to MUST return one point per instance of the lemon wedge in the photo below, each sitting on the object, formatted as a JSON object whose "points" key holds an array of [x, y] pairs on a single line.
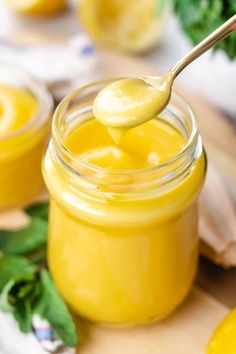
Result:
{"points": [[223, 340], [130, 25], [36, 7]]}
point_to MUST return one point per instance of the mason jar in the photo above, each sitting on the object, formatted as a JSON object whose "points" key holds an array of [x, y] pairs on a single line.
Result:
{"points": [[123, 245], [22, 148]]}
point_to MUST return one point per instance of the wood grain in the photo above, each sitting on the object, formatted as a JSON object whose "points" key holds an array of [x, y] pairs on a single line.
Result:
{"points": [[185, 332]]}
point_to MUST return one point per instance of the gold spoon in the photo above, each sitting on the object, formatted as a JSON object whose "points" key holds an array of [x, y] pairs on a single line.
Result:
{"points": [[127, 103], [167, 80], [207, 43]]}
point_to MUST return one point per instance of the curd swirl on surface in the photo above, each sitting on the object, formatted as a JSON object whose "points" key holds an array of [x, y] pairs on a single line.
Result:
{"points": [[147, 145]]}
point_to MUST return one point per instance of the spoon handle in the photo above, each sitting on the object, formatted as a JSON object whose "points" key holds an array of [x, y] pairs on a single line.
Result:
{"points": [[215, 37]]}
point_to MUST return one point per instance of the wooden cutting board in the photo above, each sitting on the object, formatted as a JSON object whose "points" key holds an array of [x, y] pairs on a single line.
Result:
{"points": [[185, 332]]}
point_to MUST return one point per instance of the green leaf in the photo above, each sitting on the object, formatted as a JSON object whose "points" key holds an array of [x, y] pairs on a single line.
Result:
{"points": [[39, 210], [53, 308], [200, 17], [5, 305], [24, 241], [19, 296], [23, 316], [12, 266], [24, 291]]}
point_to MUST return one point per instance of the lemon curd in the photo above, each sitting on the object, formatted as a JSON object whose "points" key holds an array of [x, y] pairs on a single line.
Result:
{"points": [[123, 237], [127, 103], [24, 129], [17, 108]]}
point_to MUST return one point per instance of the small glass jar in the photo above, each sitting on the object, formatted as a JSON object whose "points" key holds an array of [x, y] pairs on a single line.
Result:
{"points": [[123, 246], [21, 150]]}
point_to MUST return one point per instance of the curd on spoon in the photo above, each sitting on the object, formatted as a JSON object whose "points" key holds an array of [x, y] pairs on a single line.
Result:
{"points": [[127, 103]]}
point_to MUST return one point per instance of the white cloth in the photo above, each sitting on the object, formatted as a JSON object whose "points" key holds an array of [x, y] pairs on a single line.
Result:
{"points": [[12, 341], [62, 67]]}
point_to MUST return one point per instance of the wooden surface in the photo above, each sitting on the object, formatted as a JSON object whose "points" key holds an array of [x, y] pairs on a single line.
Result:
{"points": [[185, 332]]}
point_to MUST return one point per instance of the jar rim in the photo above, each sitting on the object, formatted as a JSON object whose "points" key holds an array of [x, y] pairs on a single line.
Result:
{"points": [[58, 140], [42, 95]]}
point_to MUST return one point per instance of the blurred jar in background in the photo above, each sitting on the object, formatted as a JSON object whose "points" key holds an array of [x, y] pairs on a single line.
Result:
{"points": [[36, 7], [25, 111], [133, 26]]}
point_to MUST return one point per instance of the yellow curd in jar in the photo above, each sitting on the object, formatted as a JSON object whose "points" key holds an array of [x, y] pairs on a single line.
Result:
{"points": [[123, 236], [21, 145], [17, 108]]}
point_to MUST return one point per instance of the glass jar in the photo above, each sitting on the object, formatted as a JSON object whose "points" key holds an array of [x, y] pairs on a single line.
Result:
{"points": [[131, 25], [21, 150], [123, 245]]}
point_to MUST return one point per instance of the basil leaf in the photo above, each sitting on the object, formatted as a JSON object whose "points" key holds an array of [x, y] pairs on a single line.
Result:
{"points": [[12, 266], [23, 316], [5, 305], [53, 308], [24, 241], [39, 210], [199, 18], [19, 296]]}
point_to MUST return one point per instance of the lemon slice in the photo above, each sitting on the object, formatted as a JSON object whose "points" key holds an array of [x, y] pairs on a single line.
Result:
{"points": [[130, 25], [36, 7], [223, 340]]}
